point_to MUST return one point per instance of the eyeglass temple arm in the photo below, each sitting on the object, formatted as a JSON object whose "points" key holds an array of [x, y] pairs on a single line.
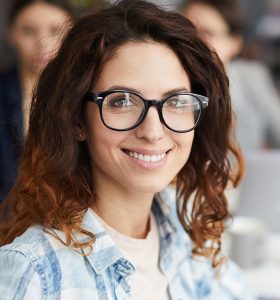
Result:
{"points": [[204, 100], [93, 97]]}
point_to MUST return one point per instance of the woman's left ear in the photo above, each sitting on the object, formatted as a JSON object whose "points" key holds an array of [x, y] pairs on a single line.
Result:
{"points": [[81, 137], [80, 132]]}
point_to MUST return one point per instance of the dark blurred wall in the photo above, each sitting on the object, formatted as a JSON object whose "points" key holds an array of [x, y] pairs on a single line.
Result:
{"points": [[6, 57]]}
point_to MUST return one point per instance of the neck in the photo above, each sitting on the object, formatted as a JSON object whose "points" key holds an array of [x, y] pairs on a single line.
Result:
{"points": [[127, 213]]}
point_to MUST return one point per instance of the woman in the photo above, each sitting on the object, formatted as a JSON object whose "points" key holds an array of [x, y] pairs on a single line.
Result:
{"points": [[89, 214], [35, 30]]}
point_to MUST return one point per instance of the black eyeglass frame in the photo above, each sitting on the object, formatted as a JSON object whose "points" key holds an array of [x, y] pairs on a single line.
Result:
{"points": [[99, 97]]}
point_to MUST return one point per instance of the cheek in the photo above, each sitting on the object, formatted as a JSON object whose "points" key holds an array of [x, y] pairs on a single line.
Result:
{"points": [[105, 151], [185, 140], [96, 131], [184, 144], [99, 151]]}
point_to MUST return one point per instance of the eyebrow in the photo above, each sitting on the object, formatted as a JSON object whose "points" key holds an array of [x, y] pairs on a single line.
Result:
{"points": [[122, 87]]}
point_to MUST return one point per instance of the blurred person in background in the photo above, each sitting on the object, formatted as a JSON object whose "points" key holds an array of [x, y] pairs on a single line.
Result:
{"points": [[36, 28], [267, 35], [255, 99], [83, 7]]}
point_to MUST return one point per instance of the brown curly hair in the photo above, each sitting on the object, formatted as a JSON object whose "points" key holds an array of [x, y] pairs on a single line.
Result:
{"points": [[54, 186]]}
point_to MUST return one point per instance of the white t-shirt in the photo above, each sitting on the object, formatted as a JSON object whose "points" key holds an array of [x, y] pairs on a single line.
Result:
{"points": [[147, 282]]}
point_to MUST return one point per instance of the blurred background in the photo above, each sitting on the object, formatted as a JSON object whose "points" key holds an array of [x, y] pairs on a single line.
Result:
{"points": [[246, 36], [262, 32]]}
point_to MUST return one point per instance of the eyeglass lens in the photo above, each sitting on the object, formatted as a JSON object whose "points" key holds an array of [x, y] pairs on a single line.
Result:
{"points": [[122, 110]]}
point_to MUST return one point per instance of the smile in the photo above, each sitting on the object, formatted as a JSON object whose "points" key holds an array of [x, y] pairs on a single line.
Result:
{"points": [[145, 157]]}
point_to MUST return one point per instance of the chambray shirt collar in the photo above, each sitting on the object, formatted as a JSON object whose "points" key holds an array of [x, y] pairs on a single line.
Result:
{"points": [[166, 222], [105, 252]]}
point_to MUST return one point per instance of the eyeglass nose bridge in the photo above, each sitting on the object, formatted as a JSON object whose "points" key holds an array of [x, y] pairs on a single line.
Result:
{"points": [[156, 103]]}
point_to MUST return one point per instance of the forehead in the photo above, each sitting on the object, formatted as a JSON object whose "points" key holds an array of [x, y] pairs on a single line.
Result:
{"points": [[149, 67]]}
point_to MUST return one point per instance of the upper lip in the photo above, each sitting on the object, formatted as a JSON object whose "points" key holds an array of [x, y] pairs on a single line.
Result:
{"points": [[149, 152]]}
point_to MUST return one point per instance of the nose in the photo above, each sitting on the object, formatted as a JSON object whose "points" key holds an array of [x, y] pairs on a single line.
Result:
{"points": [[151, 129]]}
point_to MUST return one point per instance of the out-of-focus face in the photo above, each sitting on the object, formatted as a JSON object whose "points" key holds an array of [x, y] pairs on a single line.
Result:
{"points": [[36, 34], [214, 29], [146, 158]]}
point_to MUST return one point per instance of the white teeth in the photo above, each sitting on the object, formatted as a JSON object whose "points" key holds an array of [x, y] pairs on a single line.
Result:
{"points": [[154, 158], [147, 158]]}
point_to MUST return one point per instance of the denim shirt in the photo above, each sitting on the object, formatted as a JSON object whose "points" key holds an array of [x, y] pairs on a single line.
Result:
{"points": [[37, 266]]}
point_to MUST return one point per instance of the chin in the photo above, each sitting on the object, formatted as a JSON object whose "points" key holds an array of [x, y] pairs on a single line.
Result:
{"points": [[151, 188]]}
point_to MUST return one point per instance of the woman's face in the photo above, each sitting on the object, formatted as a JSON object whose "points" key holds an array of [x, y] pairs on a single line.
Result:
{"points": [[154, 71], [36, 34]]}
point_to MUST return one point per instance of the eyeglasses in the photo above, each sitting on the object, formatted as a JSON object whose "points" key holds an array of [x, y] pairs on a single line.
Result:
{"points": [[123, 110]]}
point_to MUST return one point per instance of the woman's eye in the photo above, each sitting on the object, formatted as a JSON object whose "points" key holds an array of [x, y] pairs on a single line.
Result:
{"points": [[119, 102], [175, 102]]}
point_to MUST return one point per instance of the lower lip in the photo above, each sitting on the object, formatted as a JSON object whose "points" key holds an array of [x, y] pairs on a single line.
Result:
{"points": [[148, 165]]}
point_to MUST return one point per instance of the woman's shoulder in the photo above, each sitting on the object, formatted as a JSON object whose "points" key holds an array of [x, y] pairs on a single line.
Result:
{"points": [[37, 258], [209, 282], [28, 259], [33, 245], [226, 282]]}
